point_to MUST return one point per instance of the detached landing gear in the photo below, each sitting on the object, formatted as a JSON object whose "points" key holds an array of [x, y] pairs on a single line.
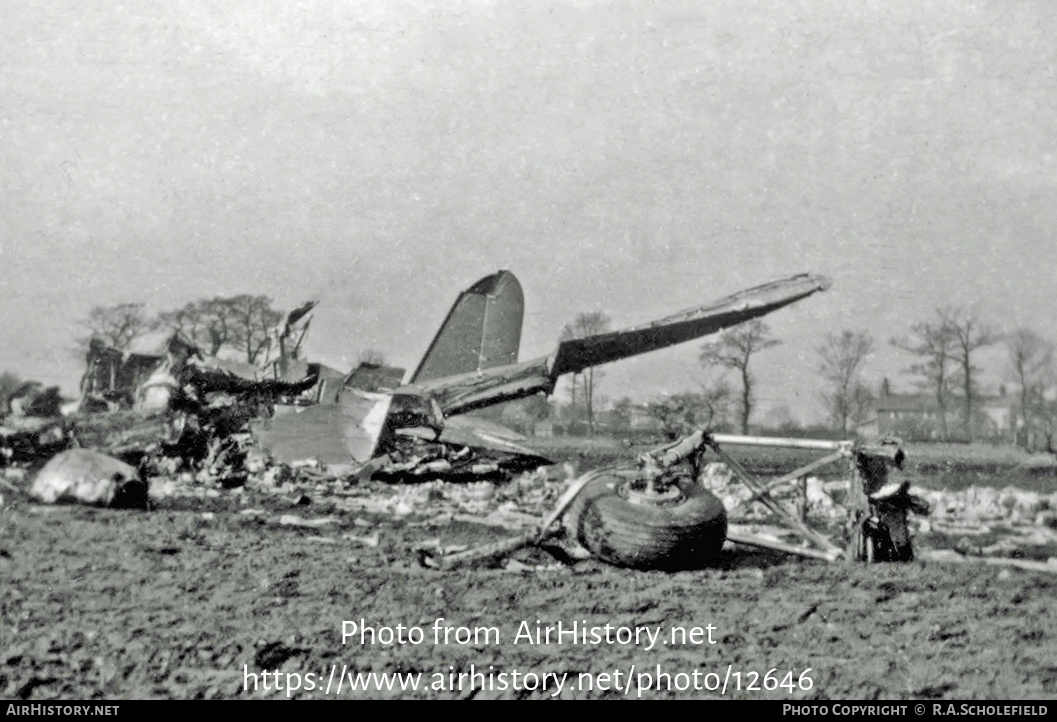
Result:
{"points": [[648, 519]]}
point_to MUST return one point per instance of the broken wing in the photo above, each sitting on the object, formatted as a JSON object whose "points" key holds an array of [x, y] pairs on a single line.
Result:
{"points": [[575, 355], [465, 392]]}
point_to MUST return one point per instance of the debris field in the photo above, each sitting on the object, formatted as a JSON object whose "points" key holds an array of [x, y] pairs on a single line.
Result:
{"points": [[221, 579], [169, 539]]}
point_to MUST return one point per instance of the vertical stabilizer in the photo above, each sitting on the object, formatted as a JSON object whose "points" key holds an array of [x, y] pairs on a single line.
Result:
{"points": [[482, 330]]}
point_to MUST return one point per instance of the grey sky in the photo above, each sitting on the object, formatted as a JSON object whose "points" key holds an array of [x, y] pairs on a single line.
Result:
{"points": [[637, 158]]}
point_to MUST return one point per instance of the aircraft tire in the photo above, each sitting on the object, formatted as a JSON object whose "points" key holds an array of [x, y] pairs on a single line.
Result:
{"points": [[683, 535]]}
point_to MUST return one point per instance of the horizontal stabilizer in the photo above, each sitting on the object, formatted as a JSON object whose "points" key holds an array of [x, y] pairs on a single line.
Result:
{"points": [[483, 433], [575, 355]]}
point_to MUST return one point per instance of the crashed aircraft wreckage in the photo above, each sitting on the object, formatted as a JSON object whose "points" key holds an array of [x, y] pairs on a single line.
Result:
{"points": [[132, 405], [180, 403], [471, 364], [658, 512]]}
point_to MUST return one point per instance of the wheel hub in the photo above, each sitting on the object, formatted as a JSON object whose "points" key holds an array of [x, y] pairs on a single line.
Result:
{"points": [[650, 495]]}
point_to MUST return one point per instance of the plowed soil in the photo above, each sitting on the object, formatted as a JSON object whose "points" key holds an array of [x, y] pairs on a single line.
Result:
{"points": [[196, 600]]}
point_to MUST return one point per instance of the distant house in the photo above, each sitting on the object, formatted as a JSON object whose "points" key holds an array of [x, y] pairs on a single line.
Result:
{"points": [[1000, 414], [919, 416]]}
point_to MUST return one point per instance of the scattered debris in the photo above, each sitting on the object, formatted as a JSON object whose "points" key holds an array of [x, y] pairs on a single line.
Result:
{"points": [[983, 504], [180, 416], [88, 477], [28, 438], [293, 520], [367, 541], [950, 555], [192, 426], [535, 537]]}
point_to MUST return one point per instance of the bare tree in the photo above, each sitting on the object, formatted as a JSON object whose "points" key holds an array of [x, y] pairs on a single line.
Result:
{"points": [[733, 350], [244, 323], [712, 404], [187, 321], [255, 326], [206, 323], [117, 326], [841, 359], [669, 411], [932, 342], [589, 323], [969, 335], [680, 414], [1031, 367]]}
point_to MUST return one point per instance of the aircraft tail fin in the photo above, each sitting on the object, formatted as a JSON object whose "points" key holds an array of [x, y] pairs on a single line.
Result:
{"points": [[482, 330]]}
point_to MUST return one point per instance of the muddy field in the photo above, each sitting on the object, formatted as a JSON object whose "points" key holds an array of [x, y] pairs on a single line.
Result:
{"points": [[214, 588], [200, 597]]}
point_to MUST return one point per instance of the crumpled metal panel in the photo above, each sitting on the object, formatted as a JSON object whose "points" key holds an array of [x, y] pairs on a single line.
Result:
{"points": [[363, 416], [485, 434], [303, 432], [349, 431]]}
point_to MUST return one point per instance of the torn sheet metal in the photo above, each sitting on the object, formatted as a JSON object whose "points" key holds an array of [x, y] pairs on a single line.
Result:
{"points": [[303, 432], [89, 477], [485, 434], [374, 377], [363, 419], [347, 432]]}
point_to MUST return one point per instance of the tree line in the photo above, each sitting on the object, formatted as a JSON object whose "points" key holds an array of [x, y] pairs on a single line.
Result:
{"points": [[943, 351], [245, 325]]}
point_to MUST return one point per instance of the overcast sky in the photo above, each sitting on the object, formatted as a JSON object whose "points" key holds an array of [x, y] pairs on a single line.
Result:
{"points": [[637, 158]]}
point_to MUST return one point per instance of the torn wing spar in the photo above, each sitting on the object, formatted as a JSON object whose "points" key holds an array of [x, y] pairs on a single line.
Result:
{"points": [[469, 391], [575, 355]]}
